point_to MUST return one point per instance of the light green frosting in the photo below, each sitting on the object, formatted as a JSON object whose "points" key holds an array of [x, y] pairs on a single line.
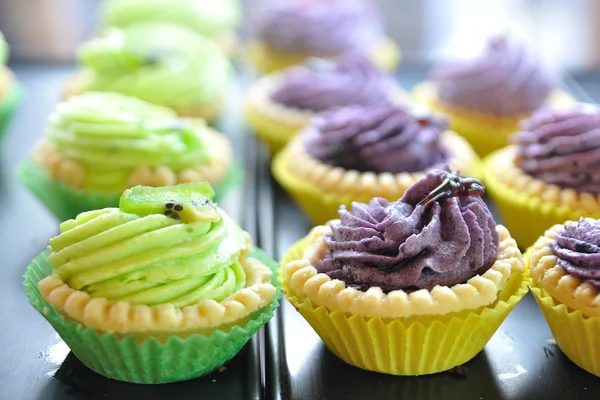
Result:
{"points": [[207, 17], [3, 50], [111, 134], [149, 259], [161, 63]]}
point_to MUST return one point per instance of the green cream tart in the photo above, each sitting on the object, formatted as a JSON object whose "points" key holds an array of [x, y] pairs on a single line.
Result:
{"points": [[161, 63], [207, 17], [162, 245], [110, 134]]}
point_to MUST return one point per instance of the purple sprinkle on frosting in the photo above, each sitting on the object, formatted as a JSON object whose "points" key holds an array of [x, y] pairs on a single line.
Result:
{"points": [[404, 245], [577, 248]]}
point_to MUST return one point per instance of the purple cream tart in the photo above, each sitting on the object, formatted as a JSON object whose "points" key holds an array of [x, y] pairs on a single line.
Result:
{"points": [[505, 80], [439, 233], [562, 148], [318, 27], [577, 248], [382, 138], [321, 85]]}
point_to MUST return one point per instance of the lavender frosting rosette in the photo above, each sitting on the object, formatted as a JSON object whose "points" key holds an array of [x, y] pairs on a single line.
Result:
{"points": [[439, 233], [382, 138], [320, 85], [505, 80], [318, 27], [577, 248], [562, 148]]}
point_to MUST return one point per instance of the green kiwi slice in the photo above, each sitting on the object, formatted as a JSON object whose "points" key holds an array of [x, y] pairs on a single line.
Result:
{"points": [[188, 202]]}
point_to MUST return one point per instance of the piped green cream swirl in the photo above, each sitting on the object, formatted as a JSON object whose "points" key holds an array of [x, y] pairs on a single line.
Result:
{"points": [[207, 17], [161, 63], [110, 134], [152, 259]]}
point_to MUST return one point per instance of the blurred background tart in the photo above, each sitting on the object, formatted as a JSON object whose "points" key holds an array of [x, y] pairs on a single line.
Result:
{"points": [[279, 105], [486, 97], [285, 33]]}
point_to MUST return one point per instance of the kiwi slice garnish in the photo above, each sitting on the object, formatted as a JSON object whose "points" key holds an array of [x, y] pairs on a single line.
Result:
{"points": [[188, 202]]}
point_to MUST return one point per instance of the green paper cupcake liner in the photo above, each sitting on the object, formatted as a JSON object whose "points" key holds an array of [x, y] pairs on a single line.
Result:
{"points": [[148, 361], [66, 202], [7, 109]]}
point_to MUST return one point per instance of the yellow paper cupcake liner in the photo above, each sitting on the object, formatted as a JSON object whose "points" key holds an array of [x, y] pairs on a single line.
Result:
{"points": [[577, 335], [527, 216], [406, 346], [485, 132], [385, 55], [338, 186]]}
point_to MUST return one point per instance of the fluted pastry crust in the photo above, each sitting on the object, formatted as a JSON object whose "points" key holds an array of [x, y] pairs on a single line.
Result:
{"points": [[214, 171], [122, 317], [566, 288], [363, 186], [319, 288], [517, 181]]}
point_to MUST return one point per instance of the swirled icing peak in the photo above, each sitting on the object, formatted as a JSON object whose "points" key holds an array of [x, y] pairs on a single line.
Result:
{"points": [[562, 148], [161, 63], [320, 85], [151, 258], [411, 244], [207, 17], [577, 248], [110, 134], [506, 80], [318, 27], [383, 138]]}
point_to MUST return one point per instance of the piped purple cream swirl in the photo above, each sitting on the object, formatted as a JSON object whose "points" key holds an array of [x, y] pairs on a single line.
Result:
{"points": [[577, 248], [410, 246], [318, 27], [320, 85], [504, 80], [562, 148], [386, 138]]}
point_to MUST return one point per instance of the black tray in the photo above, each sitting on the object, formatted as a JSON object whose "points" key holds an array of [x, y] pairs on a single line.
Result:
{"points": [[285, 360]]}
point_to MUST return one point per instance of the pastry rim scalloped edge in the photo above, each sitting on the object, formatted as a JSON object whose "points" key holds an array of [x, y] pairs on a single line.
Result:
{"points": [[385, 184], [320, 289], [214, 171], [122, 317], [502, 162], [573, 292]]}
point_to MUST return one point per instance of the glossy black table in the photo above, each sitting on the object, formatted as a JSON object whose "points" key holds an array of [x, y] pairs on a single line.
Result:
{"points": [[286, 360]]}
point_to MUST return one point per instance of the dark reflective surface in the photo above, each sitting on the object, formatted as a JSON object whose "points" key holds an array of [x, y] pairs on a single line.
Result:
{"points": [[287, 359]]}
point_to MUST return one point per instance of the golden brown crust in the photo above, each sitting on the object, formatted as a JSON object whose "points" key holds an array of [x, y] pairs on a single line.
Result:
{"points": [[503, 164], [365, 185], [71, 172], [320, 289], [122, 317], [568, 289]]}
